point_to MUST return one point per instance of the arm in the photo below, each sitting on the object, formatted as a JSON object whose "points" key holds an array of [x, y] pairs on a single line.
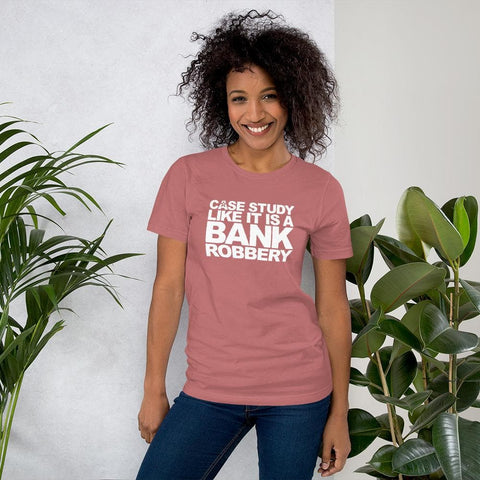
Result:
{"points": [[163, 319], [334, 319]]}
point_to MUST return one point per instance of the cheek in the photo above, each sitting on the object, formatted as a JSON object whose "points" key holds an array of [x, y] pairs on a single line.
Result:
{"points": [[282, 116], [233, 114]]}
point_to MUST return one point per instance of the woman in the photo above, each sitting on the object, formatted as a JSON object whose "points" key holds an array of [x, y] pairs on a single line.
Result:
{"points": [[233, 223]]}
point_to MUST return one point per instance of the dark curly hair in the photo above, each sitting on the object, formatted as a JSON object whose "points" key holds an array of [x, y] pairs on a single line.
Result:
{"points": [[304, 81]]}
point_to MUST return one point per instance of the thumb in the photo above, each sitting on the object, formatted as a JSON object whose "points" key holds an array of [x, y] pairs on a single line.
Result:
{"points": [[326, 456]]}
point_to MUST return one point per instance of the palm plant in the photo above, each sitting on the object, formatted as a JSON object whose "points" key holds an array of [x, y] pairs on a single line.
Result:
{"points": [[34, 269], [430, 369]]}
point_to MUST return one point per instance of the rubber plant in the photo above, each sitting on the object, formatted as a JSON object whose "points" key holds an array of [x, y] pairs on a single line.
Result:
{"points": [[421, 361], [37, 270]]}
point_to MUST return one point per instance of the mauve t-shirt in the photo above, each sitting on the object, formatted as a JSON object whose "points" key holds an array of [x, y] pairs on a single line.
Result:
{"points": [[253, 334]]}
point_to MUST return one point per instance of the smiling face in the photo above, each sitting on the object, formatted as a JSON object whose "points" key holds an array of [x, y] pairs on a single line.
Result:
{"points": [[254, 109]]}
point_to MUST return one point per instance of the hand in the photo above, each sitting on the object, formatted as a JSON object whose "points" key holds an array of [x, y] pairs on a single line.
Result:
{"points": [[336, 445], [152, 412]]}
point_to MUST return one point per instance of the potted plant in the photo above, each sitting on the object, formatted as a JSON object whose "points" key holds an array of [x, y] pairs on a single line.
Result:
{"points": [[422, 363], [37, 270]]}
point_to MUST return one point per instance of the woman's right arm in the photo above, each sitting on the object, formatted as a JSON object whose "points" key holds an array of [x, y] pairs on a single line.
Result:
{"points": [[163, 319]]}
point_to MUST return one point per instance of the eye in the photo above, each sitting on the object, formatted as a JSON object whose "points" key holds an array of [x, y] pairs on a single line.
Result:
{"points": [[238, 99], [270, 96]]}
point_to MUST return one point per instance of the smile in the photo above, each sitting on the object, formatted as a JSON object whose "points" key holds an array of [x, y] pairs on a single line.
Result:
{"points": [[258, 129]]}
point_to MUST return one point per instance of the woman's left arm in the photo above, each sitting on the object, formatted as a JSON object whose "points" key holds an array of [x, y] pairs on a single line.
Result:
{"points": [[334, 318]]}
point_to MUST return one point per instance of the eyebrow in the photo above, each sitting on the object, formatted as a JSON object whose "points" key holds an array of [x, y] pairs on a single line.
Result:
{"points": [[243, 91]]}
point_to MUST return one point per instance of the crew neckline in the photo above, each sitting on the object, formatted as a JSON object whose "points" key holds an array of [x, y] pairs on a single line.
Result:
{"points": [[279, 172]]}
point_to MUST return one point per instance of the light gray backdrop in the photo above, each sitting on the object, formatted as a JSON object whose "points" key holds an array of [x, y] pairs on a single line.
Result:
{"points": [[409, 74], [73, 66]]}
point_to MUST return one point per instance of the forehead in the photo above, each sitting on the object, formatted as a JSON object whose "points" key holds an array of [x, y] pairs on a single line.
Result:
{"points": [[250, 77]]}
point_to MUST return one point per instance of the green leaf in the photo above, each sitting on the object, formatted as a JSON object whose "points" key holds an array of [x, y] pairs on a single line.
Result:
{"points": [[358, 378], [437, 335], [409, 402], [385, 432], [461, 221], [407, 233], [363, 428], [369, 470], [394, 252], [397, 330], [399, 372], [360, 264], [472, 293], [431, 225], [415, 457], [369, 339], [446, 440], [405, 282], [471, 207], [467, 392], [84, 139], [358, 315], [432, 411], [382, 460]]}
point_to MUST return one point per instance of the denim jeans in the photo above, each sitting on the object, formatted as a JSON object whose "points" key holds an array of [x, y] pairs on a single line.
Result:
{"points": [[197, 436]]}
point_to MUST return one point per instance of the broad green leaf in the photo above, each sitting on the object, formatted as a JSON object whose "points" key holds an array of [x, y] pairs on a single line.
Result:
{"points": [[382, 460], [399, 372], [446, 440], [467, 392], [358, 315], [397, 330], [431, 225], [369, 470], [409, 402], [360, 264], [385, 432], [394, 252], [437, 334], [415, 457], [472, 293], [461, 220], [471, 207], [432, 411], [407, 233], [363, 221], [369, 339], [403, 283], [363, 428], [468, 372], [358, 378], [469, 448]]}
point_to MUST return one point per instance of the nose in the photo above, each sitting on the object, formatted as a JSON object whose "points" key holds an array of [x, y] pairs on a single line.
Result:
{"points": [[255, 111]]}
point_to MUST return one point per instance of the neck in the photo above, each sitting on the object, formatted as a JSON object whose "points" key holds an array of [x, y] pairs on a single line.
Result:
{"points": [[261, 161]]}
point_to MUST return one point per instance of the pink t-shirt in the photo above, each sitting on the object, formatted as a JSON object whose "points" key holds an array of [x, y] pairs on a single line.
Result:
{"points": [[253, 334]]}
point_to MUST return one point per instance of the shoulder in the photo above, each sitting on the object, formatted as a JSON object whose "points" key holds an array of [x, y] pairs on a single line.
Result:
{"points": [[310, 174], [205, 158], [199, 164]]}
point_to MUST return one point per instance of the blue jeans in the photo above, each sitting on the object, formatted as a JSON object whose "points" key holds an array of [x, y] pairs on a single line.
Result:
{"points": [[197, 436]]}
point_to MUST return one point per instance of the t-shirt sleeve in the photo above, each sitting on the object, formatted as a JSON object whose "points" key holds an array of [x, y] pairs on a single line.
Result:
{"points": [[331, 236], [169, 215]]}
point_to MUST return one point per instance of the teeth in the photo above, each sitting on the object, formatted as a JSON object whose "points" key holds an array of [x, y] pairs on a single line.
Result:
{"points": [[258, 129]]}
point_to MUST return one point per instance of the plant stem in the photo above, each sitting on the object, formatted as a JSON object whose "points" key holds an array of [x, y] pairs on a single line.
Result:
{"points": [[12, 405], [392, 415], [454, 323]]}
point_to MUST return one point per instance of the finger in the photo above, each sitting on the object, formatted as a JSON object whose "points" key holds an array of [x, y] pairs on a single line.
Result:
{"points": [[335, 465], [327, 456]]}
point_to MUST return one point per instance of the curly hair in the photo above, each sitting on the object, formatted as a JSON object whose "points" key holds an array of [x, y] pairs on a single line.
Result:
{"points": [[303, 78]]}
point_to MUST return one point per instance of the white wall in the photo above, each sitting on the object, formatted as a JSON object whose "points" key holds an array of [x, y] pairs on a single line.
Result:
{"points": [[74, 66], [409, 73]]}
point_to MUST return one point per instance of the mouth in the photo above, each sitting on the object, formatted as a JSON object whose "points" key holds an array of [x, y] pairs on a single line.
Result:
{"points": [[258, 130]]}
